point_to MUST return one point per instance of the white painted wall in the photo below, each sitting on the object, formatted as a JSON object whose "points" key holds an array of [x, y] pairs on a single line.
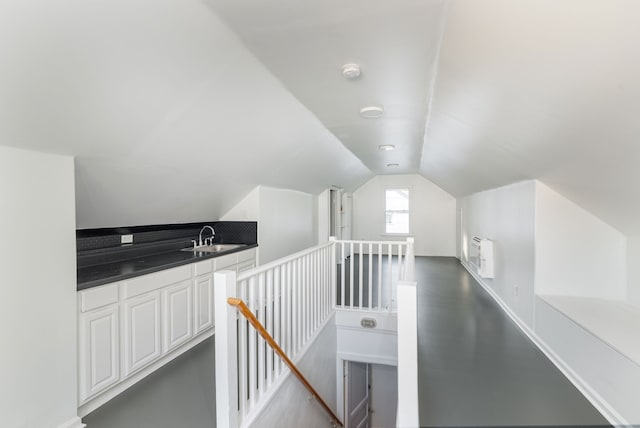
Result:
{"points": [[546, 244], [633, 270], [289, 407], [506, 216], [286, 220], [577, 254], [37, 290], [324, 216], [384, 395], [432, 216]]}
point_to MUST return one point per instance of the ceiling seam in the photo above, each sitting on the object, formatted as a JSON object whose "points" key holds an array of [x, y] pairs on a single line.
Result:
{"points": [[432, 84]]}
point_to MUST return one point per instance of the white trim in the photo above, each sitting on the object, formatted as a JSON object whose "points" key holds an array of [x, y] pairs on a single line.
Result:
{"points": [[74, 422], [367, 358], [589, 393]]}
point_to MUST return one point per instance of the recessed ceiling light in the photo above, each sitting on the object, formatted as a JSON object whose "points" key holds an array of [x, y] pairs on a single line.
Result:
{"points": [[393, 165], [351, 71], [372, 112], [386, 147]]}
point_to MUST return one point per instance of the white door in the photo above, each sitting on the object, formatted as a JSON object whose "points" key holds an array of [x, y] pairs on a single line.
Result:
{"points": [[99, 351], [141, 331], [356, 394], [177, 315]]}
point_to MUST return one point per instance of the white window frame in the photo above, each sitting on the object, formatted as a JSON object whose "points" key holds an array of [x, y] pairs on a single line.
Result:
{"points": [[384, 211]]}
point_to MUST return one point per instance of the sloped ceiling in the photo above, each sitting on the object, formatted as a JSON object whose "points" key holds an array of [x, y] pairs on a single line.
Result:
{"points": [[170, 118], [541, 89], [176, 109]]}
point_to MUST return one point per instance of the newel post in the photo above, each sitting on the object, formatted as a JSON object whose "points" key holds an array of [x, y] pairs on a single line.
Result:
{"points": [[410, 262], [334, 271], [226, 355]]}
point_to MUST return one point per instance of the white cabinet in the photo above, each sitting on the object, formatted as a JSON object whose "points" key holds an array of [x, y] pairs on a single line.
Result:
{"points": [[99, 350], [203, 292], [177, 314], [141, 329], [130, 328]]}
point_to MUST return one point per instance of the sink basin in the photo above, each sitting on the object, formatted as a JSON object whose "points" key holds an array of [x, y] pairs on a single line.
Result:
{"points": [[216, 248]]}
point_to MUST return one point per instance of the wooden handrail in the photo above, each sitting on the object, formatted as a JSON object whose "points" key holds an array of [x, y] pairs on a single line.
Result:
{"points": [[244, 310]]}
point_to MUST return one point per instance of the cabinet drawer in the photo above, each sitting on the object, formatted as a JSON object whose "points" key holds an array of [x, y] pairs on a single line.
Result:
{"points": [[202, 268], [154, 281], [246, 255], [98, 297], [224, 262]]}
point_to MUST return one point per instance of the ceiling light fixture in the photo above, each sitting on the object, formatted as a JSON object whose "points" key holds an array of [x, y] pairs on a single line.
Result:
{"points": [[372, 112], [393, 165], [386, 147], [351, 71]]}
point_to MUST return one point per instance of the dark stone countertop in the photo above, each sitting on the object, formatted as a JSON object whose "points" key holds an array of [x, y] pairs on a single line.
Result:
{"points": [[105, 273]]}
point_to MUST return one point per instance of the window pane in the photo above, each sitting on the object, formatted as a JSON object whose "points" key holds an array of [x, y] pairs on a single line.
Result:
{"points": [[397, 222], [397, 210], [397, 199]]}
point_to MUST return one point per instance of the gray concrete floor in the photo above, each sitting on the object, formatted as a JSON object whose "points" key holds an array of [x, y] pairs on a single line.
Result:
{"points": [[476, 368], [179, 395]]}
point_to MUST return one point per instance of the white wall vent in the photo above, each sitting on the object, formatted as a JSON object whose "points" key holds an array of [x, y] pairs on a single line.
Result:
{"points": [[482, 256]]}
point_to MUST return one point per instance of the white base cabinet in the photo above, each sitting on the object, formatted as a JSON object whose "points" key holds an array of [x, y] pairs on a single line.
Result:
{"points": [[130, 328], [178, 319], [203, 303], [99, 346], [141, 331]]}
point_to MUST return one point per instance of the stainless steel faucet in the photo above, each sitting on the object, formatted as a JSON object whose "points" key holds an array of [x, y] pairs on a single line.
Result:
{"points": [[213, 235]]}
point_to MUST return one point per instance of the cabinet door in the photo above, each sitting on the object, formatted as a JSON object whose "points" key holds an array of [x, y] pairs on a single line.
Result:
{"points": [[99, 350], [204, 303], [177, 315], [141, 331]]}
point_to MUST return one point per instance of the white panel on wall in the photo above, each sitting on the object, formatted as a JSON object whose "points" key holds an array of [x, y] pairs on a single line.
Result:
{"points": [[37, 295], [247, 209], [286, 220], [577, 254], [506, 216], [285, 224], [432, 214]]}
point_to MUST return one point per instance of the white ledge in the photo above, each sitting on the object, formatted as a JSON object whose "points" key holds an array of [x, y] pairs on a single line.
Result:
{"points": [[617, 323]]}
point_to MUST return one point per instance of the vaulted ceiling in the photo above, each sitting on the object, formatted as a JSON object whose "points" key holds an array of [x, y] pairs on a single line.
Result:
{"points": [[176, 109]]}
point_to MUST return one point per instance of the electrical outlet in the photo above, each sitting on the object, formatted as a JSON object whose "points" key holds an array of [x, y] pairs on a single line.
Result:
{"points": [[126, 239], [516, 290]]}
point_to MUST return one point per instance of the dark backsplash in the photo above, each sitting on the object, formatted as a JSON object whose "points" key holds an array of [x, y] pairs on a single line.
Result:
{"points": [[97, 246]]}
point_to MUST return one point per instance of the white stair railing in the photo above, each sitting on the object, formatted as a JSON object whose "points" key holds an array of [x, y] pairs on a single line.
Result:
{"points": [[293, 298], [369, 272]]}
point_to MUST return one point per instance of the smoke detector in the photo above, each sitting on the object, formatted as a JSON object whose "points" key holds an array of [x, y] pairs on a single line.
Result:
{"points": [[351, 71], [372, 112]]}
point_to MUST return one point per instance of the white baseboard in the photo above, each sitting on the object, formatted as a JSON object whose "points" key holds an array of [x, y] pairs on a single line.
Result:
{"points": [[585, 389], [75, 422]]}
